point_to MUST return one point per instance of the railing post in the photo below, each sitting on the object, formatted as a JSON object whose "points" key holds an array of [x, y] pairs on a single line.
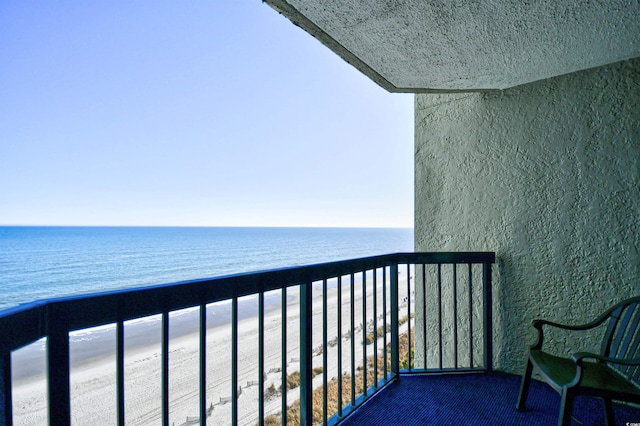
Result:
{"points": [[283, 350], [120, 395], [375, 328], [234, 360], [203, 363], [352, 338], [306, 355], [58, 366], [165, 368], [488, 316], [260, 359], [325, 359], [395, 329], [339, 326], [6, 413]]}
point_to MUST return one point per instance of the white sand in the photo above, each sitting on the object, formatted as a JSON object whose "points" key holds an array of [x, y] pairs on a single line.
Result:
{"points": [[93, 387]]}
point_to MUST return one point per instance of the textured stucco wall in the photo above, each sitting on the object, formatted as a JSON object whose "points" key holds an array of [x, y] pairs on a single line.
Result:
{"points": [[547, 175], [470, 44]]}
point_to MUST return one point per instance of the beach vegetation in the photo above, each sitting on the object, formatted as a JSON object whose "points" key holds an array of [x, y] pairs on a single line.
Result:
{"points": [[405, 364], [271, 392], [293, 410], [380, 332], [273, 420], [318, 351], [293, 379]]}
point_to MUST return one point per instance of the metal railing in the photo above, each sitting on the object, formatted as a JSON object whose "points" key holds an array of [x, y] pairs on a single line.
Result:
{"points": [[362, 323]]}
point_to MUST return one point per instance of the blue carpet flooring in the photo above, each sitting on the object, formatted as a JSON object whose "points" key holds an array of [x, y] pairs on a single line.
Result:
{"points": [[475, 399]]}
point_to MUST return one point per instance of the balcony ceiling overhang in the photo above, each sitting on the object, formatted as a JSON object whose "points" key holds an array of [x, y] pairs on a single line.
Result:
{"points": [[469, 45]]}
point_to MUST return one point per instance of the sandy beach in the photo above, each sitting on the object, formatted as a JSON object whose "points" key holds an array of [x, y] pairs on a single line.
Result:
{"points": [[93, 389]]}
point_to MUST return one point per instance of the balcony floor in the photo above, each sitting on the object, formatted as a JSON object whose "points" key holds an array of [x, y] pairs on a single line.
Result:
{"points": [[474, 399]]}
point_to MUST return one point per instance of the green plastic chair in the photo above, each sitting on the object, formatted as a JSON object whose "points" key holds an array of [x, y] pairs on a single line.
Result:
{"points": [[613, 374]]}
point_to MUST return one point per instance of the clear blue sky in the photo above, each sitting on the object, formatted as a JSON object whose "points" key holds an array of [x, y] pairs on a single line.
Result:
{"points": [[198, 113]]}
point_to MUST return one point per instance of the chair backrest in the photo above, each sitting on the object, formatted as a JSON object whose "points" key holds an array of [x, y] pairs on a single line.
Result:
{"points": [[622, 337]]}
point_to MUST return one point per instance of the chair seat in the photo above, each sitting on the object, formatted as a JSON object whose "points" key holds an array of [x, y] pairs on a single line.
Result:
{"points": [[559, 372]]}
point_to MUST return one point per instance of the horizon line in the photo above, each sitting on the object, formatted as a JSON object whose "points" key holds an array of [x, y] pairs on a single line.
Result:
{"points": [[203, 226]]}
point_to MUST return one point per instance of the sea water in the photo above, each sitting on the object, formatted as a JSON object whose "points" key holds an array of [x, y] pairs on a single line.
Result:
{"points": [[43, 262], [39, 263]]}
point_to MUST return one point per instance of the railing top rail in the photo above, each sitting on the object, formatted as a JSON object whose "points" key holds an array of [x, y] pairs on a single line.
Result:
{"points": [[26, 323]]}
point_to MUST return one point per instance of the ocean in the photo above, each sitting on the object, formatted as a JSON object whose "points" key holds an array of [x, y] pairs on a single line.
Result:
{"points": [[44, 262], [48, 262]]}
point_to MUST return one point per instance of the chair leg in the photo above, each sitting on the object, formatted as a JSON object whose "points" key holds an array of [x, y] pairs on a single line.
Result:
{"points": [[566, 407], [609, 420], [524, 386]]}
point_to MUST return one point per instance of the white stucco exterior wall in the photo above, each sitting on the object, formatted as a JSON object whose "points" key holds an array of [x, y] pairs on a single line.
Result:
{"points": [[547, 175]]}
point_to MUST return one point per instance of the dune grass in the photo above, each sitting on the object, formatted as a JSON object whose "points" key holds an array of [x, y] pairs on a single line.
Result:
{"points": [[293, 410]]}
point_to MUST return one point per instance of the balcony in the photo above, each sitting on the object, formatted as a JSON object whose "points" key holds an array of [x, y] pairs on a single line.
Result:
{"points": [[395, 326]]}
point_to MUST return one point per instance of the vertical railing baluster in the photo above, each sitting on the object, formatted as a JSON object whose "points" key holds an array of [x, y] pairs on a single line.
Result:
{"points": [[455, 315], [234, 360], [6, 404], [488, 316], [375, 328], [324, 351], [306, 354], [339, 346], [261, 358], [470, 316], [58, 366], [424, 314], [120, 372], [284, 355], [409, 316], [203, 364], [352, 315], [384, 322], [395, 337], [165, 368], [364, 333], [440, 315]]}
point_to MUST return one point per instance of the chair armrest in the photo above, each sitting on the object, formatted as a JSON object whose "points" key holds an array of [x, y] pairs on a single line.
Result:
{"points": [[538, 323], [579, 356]]}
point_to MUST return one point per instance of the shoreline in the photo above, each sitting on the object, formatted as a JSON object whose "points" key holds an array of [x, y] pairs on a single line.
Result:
{"points": [[93, 378], [92, 345]]}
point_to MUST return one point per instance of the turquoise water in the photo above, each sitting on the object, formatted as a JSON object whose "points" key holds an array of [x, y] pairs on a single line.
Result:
{"points": [[43, 262]]}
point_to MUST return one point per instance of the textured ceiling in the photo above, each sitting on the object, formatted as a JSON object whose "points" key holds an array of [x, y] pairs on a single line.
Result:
{"points": [[468, 45]]}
